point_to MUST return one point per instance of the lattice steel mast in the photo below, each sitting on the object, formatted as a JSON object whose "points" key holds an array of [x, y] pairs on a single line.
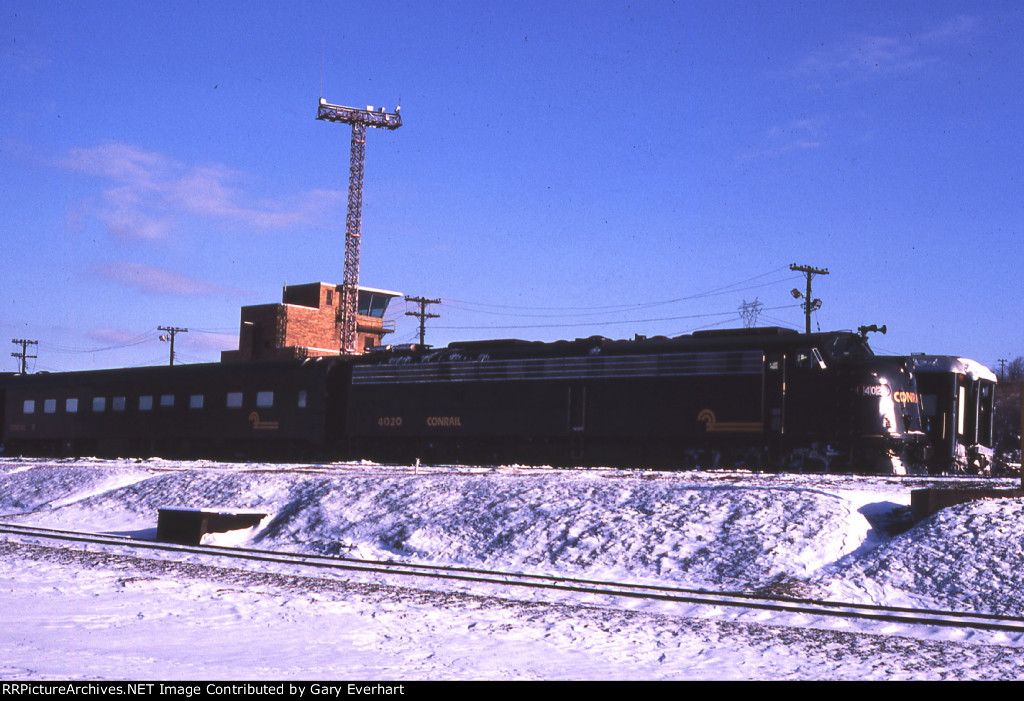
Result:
{"points": [[359, 119]]}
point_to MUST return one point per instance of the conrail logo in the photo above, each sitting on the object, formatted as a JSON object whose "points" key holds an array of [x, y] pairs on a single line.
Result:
{"points": [[444, 421], [259, 425]]}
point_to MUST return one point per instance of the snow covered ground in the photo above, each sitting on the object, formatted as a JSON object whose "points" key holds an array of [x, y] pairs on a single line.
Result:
{"points": [[105, 613]]}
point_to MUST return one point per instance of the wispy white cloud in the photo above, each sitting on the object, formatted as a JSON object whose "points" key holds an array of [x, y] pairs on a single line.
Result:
{"points": [[147, 192], [152, 280], [797, 135], [864, 56]]}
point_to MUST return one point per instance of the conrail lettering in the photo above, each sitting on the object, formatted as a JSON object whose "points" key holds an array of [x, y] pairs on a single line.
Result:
{"points": [[905, 397], [444, 421]]}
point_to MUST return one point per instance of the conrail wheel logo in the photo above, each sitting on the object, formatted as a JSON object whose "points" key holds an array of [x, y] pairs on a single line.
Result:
{"points": [[713, 425], [258, 425]]}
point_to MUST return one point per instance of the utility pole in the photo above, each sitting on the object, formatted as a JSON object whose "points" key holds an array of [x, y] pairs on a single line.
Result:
{"points": [[169, 336], [1002, 368], [422, 313], [359, 119], [24, 351], [810, 304]]}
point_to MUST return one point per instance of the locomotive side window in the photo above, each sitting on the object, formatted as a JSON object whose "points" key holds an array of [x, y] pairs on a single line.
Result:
{"points": [[50, 406], [961, 400], [929, 404], [146, 402], [302, 399], [264, 399], [71, 405], [234, 400], [118, 404], [167, 400], [99, 404], [195, 401], [29, 407]]}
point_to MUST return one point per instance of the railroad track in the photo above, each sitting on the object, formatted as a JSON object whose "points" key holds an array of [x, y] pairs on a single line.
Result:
{"points": [[469, 575]]}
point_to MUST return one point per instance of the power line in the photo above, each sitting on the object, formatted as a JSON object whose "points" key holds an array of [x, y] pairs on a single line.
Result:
{"points": [[717, 291], [147, 337], [609, 323]]}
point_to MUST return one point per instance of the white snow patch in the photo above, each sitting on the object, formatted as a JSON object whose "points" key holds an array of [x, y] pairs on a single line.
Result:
{"points": [[69, 614]]}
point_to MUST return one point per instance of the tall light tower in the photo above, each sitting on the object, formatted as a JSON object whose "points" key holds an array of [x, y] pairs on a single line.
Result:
{"points": [[359, 119]]}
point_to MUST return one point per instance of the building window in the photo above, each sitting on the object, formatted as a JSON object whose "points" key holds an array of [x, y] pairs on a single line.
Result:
{"points": [[29, 407], [71, 405], [167, 400], [146, 402], [234, 400], [50, 406], [264, 399], [330, 298], [195, 401], [99, 404]]}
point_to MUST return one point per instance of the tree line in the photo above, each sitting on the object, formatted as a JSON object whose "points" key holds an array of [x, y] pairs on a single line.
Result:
{"points": [[1013, 370]]}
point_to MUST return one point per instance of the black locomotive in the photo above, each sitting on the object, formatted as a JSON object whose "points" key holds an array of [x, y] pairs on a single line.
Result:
{"points": [[765, 398]]}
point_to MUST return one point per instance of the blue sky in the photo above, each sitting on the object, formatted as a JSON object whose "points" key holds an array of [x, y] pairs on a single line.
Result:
{"points": [[565, 169]]}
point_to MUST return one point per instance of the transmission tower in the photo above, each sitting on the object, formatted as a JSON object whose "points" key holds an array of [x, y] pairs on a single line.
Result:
{"points": [[749, 311], [359, 119]]}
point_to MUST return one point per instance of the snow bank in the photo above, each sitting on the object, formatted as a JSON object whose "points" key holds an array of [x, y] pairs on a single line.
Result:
{"points": [[968, 557], [811, 535]]}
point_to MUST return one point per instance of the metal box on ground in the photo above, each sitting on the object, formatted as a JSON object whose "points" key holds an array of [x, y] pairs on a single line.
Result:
{"points": [[185, 526]]}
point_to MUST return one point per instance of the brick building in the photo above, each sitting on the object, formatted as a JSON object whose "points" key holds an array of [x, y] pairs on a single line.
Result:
{"points": [[308, 323]]}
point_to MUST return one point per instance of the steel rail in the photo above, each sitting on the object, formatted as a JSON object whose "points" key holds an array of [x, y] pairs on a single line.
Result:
{"points": [[750, 600]]}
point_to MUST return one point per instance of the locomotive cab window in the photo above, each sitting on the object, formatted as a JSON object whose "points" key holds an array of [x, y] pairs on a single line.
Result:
{"points": [[809, 359], [848, 348]]}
